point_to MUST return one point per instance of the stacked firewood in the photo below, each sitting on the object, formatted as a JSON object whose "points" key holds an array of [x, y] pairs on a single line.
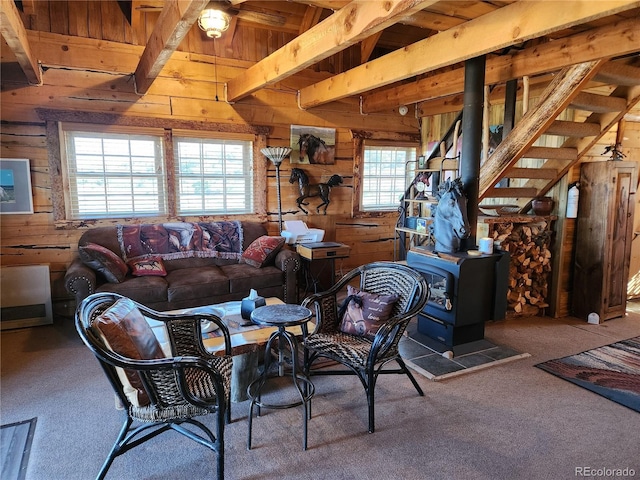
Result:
{"points": [[530, 265]]}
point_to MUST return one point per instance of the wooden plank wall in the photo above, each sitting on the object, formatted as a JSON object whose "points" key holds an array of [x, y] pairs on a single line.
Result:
{"points": [[75, 79]]}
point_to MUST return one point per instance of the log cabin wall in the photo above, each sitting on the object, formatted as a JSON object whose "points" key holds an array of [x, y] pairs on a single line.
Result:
{"points": [[78, 47]]}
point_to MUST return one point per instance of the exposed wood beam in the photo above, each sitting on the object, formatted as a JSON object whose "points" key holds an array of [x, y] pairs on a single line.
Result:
{"points": [[137, 22], [174, 23], [507, 26], [15, 35], [367, 45], [554, 99], [310, 19], [349, 25], [618, 38]]}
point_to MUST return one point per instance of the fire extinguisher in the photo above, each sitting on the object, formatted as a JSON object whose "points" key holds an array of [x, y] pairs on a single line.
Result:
{"points": [[572, 200]]}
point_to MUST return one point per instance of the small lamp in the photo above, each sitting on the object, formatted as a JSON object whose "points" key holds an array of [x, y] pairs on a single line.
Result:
{"points": [[213, 22], [277, 155]]}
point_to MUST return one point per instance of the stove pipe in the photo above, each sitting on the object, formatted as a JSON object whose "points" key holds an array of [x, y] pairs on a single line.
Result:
{"points": [[474, 71]]}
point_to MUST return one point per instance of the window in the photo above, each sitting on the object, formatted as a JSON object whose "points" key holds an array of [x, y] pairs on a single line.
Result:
{"points": [[383, 179], [214, 176], [114, 175], [110, 173]]}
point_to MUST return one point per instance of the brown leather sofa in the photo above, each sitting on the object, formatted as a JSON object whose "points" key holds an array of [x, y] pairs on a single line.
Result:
{"points": [[188, 282]]}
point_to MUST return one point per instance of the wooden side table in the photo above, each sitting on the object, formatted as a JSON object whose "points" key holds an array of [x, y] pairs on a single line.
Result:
{"points": [[315, 256], [282, 316]]}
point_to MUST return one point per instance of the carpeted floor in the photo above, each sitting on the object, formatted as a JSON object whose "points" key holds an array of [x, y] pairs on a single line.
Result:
{"points": [[15, 446], [509, 422], [612, 371], [470, 357]]}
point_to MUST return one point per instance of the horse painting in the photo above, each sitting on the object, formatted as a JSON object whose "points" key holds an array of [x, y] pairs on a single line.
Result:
{"points": [[321, 190], [450, 224], [316, 150]]}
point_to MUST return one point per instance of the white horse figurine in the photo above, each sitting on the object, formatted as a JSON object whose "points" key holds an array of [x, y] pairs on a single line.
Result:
{"points": [[450, 224]]}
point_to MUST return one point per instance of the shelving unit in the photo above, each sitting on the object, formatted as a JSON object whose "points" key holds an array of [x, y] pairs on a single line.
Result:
{"points": [[413, 225]]}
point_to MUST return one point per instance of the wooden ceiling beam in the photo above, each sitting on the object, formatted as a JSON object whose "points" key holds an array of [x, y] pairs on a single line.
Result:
{"points": [[367, 45], [617, 38], [310, 18], [351, 24], [15, 35], [174, 23], [510, 25]]}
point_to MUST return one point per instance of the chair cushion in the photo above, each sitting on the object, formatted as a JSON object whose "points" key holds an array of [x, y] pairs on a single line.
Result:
{"points": [[124, 330], [366, 312], [147, 266], [104, 261], [262, 251]]}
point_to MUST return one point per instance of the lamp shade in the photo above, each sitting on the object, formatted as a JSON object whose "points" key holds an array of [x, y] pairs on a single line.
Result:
{"points": [[276, 154], [213, 22]]}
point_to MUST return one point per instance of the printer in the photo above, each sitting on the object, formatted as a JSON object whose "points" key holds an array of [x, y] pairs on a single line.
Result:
{"points": [[296, 231]]}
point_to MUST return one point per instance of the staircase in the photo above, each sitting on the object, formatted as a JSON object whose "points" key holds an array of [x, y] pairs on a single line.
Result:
{"points": [[595, 95]]}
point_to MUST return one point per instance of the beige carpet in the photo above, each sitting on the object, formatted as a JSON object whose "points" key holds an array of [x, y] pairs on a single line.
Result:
{"points": [[509, 422]]}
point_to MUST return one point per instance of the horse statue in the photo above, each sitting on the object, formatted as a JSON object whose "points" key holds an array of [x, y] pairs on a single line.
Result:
{"points": [[321, 190], [450, 223], [316, 149]]}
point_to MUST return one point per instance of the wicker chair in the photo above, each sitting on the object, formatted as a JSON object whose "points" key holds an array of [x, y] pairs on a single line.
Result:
{"points": [[363, 357], [190, 383]]}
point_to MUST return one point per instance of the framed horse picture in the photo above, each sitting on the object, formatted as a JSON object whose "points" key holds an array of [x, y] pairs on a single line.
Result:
{"points": [[313, 145]]}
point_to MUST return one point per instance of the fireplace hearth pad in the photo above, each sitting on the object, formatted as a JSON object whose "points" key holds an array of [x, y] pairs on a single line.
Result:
{"points": [[468, 358]]}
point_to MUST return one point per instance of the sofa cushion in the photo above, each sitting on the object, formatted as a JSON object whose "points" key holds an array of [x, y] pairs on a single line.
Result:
{"points": [[243, 277], [147, 266], [125, 331], [262, 251], [145, 290], [196, 283], [103, 260]]}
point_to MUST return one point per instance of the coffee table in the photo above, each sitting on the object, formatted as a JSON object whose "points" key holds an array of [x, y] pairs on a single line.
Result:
{"points": [[246, 342]]}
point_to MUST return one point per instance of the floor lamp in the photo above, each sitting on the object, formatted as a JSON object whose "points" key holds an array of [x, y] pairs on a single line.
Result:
{"points": [[276, 155]]}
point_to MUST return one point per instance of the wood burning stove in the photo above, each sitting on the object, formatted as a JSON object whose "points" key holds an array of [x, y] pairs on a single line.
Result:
{"points": [[465, 291]]}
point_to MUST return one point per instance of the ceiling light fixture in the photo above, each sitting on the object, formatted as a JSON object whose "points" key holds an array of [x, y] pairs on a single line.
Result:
{"points": [[213, 22]]}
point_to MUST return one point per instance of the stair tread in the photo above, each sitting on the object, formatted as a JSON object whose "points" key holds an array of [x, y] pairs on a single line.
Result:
{"points": [[598, 103], [573, 129], [619, 74]]}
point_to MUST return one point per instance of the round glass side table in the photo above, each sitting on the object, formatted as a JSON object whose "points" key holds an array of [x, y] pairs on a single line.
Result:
{"points": [[282, 316]]}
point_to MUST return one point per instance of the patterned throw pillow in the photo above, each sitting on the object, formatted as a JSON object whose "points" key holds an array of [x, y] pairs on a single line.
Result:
{"points": [[366, 312], [151, 266], [124, 330], [262, 251], [103, 260]]}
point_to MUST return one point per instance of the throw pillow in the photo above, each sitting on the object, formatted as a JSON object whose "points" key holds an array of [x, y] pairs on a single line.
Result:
{"points": [[103, 260], [262, 251], [124, 330], [365, 312], [148, 266]]}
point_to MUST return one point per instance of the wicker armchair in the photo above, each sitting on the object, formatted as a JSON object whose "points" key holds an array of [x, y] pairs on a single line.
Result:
{"points": [[182, 384], [364, 357]]}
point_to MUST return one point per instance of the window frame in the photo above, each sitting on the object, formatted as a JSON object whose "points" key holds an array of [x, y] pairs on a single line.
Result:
{"points": [[97, 120], [156, 134], [377, 139], [177, 135]]}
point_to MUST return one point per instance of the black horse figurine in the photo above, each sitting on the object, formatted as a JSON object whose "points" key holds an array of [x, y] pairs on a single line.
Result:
{"points": [[316, 149], [321, 190], [450, 223]]}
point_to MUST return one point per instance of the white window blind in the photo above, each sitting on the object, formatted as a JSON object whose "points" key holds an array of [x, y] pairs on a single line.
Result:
{"points": [[214, 176], [114, 175], [383, 182]]}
